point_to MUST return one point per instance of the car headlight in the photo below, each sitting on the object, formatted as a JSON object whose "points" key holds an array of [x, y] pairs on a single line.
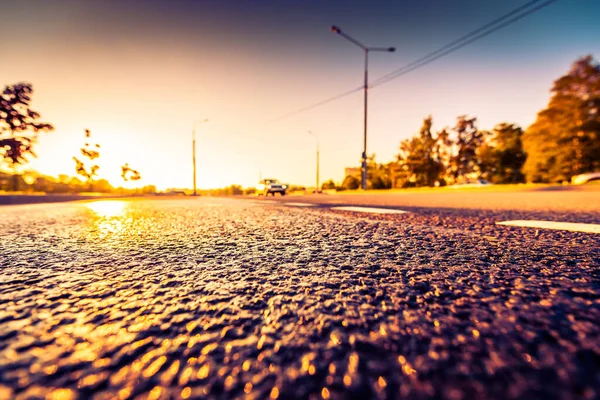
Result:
{"points": [[285, 186], [268, 186]]}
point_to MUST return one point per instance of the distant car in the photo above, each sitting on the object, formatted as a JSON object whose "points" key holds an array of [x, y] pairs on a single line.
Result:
{"points": [[585, 178], [271, 186], [479, 182]]}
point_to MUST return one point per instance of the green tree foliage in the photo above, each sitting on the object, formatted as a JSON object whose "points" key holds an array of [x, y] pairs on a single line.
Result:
{"points": [[565, 138], [501, 157], [19, 125]]}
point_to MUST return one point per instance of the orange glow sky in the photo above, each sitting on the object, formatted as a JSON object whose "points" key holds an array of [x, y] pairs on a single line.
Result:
{"points": [[139, 76]]}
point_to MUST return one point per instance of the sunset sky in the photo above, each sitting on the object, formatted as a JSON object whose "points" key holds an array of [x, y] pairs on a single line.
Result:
{"points": [[139, 73]]}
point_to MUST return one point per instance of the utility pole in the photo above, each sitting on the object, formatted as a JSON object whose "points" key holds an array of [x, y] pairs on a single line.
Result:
{"points": [[366, 49], [194, 156], [317, 139], [194, 150]]}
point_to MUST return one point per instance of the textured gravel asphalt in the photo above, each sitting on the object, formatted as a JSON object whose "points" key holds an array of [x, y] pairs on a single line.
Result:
{"points": [[215, 298]]}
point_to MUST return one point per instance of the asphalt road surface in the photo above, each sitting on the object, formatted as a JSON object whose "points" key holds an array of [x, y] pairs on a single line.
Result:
{"points": [[222, 298]]}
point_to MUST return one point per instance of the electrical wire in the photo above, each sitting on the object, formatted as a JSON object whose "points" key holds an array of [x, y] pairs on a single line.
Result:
{"points": [[458, 44], [477, 34]]}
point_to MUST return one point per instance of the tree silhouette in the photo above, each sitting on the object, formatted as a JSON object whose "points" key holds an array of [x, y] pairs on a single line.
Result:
{"points": [[90, 152], [19, 126], [129, 174]]}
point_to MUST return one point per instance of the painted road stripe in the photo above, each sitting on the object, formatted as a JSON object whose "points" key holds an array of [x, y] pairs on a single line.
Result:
{"points": [[291, 203], [371, 210], [565, 226]]}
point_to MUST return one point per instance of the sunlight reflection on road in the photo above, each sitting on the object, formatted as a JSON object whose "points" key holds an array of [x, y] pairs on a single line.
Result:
{"points": [[110, 215], [107, 208]]}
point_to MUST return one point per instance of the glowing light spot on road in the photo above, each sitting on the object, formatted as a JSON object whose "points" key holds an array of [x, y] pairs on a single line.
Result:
{"points": [[353, 363], [203, 372], [101, 363], [90, 380], [563, 226], [155, 393], [186, 392], [125, 393], [51, 369], [62, 394], [5, 392], [248, 388], [325, 393], [332, 368], [229, 381], [185, 376], [190, 326], [107, 208], [274, 393], [546, 303], [155, 366], [407, 369], [347, 380], [381, 381], [246, 365], [261, 342], [371, 210], [475, 333], [335, 338]]}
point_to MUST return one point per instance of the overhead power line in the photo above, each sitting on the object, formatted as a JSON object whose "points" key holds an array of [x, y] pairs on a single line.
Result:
{"points": [[465, 40], [307, 108], [477, 34]]}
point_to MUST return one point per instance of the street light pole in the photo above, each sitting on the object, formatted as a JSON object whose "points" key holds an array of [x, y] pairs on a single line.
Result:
{"points": [[317, 139], [366, 49], [194, 149]]}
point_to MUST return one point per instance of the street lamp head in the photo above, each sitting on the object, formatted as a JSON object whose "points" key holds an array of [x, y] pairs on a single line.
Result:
{"points": [[335, 29], [392, 49]]}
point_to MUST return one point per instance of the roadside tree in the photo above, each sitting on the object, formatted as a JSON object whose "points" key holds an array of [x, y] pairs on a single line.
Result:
{"points": [[419, 161], [351, 183], [129, 174], [19, 127], [90, 152], [464, 163], [502, 156], [565, 138]]}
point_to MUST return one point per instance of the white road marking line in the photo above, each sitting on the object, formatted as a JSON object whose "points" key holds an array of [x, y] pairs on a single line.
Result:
{"points": [[565, 226], [299, 204], [371, 210]]}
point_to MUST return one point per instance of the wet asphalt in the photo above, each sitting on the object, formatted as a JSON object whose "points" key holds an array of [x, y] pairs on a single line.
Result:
{"points": [[222, 298]]}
